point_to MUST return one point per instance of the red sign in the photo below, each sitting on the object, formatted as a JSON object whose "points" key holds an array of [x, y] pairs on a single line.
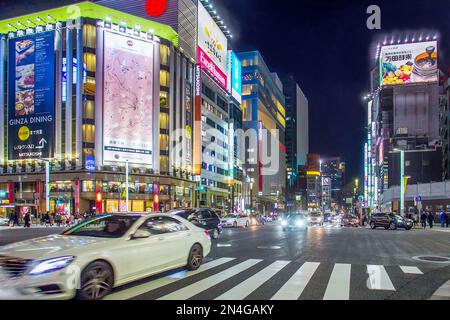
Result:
{"points": [[155, 8], [207, 64]]}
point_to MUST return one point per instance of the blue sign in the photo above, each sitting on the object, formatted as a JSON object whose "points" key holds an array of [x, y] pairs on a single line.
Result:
{"points": [[31, 96], [2, 194], [90, 163], [236, 77]]}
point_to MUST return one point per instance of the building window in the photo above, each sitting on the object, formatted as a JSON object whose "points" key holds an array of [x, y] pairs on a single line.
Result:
{"points": [[89, 109], [88, 186], [89, 133], [89, 86], [164, 78], [164, 121], [164, 164], [90, 61], [89, 36], [163, 99], [164, 55], [164, 142]]}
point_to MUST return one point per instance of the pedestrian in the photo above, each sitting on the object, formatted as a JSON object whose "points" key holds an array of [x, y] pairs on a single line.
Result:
{"points": [[430, 219], [16, 219], [443, 219], [27, 219], [423, 220], [447, 219]]}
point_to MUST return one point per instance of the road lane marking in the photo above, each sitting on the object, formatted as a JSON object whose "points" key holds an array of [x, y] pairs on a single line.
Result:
{"points": [[269, 247], [294, 287], [202, 285], [339, 284], [410, 270], [161, 282], [244, 289], [443, 293], [378, 278], [223, 245]]}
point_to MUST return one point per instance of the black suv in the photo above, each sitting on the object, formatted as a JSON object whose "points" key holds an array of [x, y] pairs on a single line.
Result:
{"points": [[203, 218], [390, 221]]}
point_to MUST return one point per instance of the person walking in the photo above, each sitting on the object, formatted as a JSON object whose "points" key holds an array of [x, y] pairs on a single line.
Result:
{"points": [[423, 220], [447, 219], [27, 219], [16, 219], [430, 219], [443, 217]]}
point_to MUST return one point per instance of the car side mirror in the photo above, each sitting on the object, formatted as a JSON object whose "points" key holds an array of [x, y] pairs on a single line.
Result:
{"points": [[141, 234]]}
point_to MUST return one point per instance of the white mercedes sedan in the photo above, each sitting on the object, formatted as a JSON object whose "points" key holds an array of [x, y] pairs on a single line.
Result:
{"points": [[91, 258]]}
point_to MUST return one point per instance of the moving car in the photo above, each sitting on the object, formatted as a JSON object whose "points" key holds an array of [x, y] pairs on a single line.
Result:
{"points": [[236, 220], [203, 218], [89, 259], [294, 221], [315, 218], [349, 220], [390, 221]]}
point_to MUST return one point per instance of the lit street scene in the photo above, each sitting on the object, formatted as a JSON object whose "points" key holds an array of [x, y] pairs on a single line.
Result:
{"points": [[224, 150]]}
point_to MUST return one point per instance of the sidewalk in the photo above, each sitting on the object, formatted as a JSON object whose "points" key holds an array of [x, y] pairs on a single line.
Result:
{"points": [[33, 226]]}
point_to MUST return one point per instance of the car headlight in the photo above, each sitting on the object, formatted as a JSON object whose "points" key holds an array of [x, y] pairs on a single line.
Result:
{"points": [[50, 265], [284, 223], [309, 218], [299, 223]]}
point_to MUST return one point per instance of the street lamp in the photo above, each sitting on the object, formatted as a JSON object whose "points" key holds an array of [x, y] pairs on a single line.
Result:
{"points": [[402, 180]]}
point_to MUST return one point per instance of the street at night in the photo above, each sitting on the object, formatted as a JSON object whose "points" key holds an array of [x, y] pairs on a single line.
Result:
{"points": [[214, 158], [330, 262]]}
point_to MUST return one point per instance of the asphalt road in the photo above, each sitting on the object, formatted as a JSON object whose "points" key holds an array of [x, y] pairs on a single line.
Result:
{"points": [[329, 262]]}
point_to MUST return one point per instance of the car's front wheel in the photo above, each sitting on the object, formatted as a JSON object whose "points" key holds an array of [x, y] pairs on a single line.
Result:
{"points": [[195, 258], [392, 226], [96, 281]]}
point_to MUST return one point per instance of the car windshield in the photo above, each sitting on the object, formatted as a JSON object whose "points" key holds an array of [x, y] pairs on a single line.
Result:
{"points": [[296, 216], [230, 216], [181, 213], [109, 226]]}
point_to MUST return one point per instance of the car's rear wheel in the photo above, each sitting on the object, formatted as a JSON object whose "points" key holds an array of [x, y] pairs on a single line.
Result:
{"points": [[392, 226], [372, 225], [195, 258], [96, 281]]}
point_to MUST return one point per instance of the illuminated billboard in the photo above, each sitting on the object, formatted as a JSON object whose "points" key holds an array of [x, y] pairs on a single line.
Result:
{"points": [[31, 96], [234, 66], [409, 63], [212, 47], [127, 99]]}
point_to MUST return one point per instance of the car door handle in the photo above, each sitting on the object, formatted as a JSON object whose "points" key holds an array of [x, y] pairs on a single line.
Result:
{"points": [[189, 235]]}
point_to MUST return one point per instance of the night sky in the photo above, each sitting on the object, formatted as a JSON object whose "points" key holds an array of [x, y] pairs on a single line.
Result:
{"points": [[326, 45]]}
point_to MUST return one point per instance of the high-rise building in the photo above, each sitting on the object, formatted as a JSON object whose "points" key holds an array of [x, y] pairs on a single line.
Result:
{"points": [[264, 118], [333, 181], [313, 182], [297, 135], [403, 114]]}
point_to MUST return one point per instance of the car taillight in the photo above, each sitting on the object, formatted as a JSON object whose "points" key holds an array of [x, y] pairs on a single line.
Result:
{"points": [[206, 234]]}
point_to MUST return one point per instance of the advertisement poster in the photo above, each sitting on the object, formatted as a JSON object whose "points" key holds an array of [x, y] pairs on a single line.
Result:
{"points": [[212, 47], [31, 91], [128, 100], [409, 63]]}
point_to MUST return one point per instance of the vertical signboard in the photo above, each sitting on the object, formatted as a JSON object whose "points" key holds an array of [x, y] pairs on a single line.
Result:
{"points": [[31, 96], [188, 128], [127, 99], [236, 77], [212, 47], [198, 121]]}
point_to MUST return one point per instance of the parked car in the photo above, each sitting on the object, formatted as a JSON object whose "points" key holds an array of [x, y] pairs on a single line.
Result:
{"points": [[91, 258], [390, 221], [4, 222], [315, 218], [204, 218], [294, 222], [349, 220], [236, 221]]}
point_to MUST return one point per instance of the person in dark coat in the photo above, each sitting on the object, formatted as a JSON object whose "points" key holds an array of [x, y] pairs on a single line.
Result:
{"points": [[447, 219], [16, 219], [443, 218], [423, 220], [27, 219], [430, 219]]}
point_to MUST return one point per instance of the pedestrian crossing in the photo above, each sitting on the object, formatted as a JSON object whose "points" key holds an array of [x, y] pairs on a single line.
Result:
{"points": [[237, 279]]}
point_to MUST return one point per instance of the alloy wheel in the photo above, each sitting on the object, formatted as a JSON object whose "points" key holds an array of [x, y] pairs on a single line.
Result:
{"points": [[97, 282]]}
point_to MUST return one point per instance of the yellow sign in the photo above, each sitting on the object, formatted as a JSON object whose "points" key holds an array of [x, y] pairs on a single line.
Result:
{"points": [[313, 173], [24, 133]]}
